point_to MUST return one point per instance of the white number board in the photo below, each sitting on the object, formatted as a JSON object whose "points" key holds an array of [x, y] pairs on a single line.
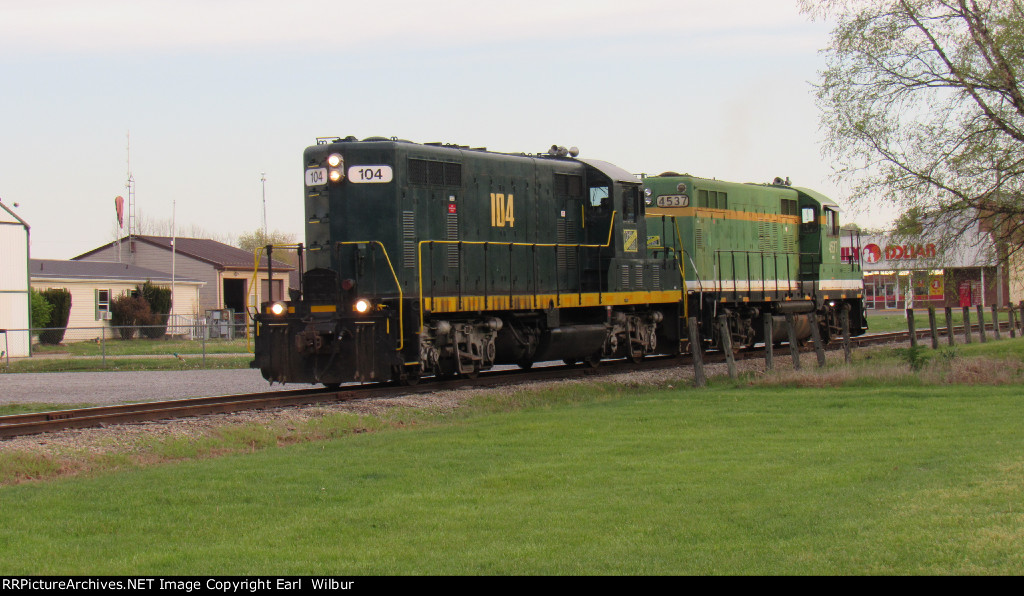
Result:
{"points": [[673, 201], [369, 174], [316, 176]]}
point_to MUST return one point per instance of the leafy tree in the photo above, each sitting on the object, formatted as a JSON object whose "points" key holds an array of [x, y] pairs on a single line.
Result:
{"points": [[252, 241], [159, 300], [41, 310], [924, 107], [60, 300]]}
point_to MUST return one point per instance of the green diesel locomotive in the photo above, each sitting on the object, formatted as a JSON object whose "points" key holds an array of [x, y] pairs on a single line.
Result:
{"points": [[432, 259]]}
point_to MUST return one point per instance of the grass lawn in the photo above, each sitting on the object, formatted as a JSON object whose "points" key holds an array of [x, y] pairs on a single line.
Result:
{"points": [[169, 362], [142, 346], [890, 321], [741, 478]]}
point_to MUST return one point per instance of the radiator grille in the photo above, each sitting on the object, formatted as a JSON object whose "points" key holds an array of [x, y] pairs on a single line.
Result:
{"points": [[566, 254], [453, 234], [409, 238]]}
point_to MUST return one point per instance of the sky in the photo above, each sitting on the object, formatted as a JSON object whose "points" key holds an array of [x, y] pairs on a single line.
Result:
{"points": [[213, 95]]}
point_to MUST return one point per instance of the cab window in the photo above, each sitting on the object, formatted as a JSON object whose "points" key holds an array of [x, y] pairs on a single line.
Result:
{"points": [[630, 203], [831, 222], [808, 219]]}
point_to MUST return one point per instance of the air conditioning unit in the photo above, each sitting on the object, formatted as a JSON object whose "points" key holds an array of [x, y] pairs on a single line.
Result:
{"points": [[105, 315]]}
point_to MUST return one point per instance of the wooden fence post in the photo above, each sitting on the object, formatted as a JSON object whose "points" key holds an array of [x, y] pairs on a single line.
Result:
{"points": [[819, 349], [934, 326], [995, 322], [912, 327], [697, 351], [967, 323], [981, 323], [844, 320], [949, 326], [1013, 322], [769, 347], [725, 335], [794, 348]]}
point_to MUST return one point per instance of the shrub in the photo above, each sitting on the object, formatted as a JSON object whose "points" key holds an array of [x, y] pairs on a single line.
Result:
{"points": [[915, 356], [60, 300], [127, 313], [41, 310], [159, 300]]}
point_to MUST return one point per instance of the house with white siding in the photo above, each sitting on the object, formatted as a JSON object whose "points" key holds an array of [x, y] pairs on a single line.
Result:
{"points": [[232, 277], [94, 285], [15, 301]]}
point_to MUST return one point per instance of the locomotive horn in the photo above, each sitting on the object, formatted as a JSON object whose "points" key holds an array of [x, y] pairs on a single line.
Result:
{"points": [[574, 151]]}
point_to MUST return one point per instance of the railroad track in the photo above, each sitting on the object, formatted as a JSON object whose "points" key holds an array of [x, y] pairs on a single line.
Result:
{"points": [[42, 422]]}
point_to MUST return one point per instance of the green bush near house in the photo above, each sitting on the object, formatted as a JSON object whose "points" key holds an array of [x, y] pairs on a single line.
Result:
{"points": [[159, 300], [60, 301], [41, 310]]}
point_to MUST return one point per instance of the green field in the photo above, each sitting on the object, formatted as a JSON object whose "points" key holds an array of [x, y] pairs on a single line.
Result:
{"points": [[878, 471], [885, 322], [141, 346]]}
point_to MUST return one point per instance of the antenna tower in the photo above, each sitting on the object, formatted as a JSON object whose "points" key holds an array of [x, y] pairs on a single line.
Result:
{"points": [[130, 185]]}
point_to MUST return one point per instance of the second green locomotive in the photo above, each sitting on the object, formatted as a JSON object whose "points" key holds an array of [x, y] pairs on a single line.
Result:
{"points": [[430, 259]]}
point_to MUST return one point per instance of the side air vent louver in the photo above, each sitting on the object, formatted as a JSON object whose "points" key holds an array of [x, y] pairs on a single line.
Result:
{"points": [[409, 239], [453, 234]]}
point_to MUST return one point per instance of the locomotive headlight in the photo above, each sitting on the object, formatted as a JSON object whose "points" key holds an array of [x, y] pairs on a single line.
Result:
{"points": [[337, 167], [277, 309], [362, 306]]}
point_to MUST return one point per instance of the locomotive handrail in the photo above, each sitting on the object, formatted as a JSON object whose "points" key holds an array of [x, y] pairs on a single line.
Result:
{"points": [[401, 295], [419, 254], [763, 254], [255, 280]]}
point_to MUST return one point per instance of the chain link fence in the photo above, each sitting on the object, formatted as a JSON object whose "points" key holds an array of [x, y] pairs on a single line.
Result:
{"points": [[180, 337]]}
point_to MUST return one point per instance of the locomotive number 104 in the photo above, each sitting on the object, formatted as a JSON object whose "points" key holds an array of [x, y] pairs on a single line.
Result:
{"points": [[502, 211]]}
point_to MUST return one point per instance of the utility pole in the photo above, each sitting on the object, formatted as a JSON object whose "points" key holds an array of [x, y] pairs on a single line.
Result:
{"points": [[263, 183]]}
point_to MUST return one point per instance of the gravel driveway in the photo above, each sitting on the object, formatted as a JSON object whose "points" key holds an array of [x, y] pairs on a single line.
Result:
{"points": [[102, 388]]}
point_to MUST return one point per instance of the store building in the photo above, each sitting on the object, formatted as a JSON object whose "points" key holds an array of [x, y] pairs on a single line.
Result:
{"points": [[938, 269]]}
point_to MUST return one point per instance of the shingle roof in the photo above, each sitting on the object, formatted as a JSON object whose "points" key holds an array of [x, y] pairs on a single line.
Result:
{"points": [[215, 253], [45, 268]]}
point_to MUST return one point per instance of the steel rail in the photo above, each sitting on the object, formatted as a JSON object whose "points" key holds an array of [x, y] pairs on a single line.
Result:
{"points": [[41, 422]]}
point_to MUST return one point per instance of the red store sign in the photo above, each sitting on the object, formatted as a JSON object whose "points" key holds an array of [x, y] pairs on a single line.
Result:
{"points": [[894, 252]]}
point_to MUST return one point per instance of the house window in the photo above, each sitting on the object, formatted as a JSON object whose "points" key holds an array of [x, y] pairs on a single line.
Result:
{"points": [[102, 305], [278, 290]]}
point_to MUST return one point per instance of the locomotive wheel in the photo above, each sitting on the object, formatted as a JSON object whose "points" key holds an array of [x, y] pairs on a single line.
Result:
{"points": [[594, 360], [525, 364], [332, 386], [473, 372], [570, 361]]}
